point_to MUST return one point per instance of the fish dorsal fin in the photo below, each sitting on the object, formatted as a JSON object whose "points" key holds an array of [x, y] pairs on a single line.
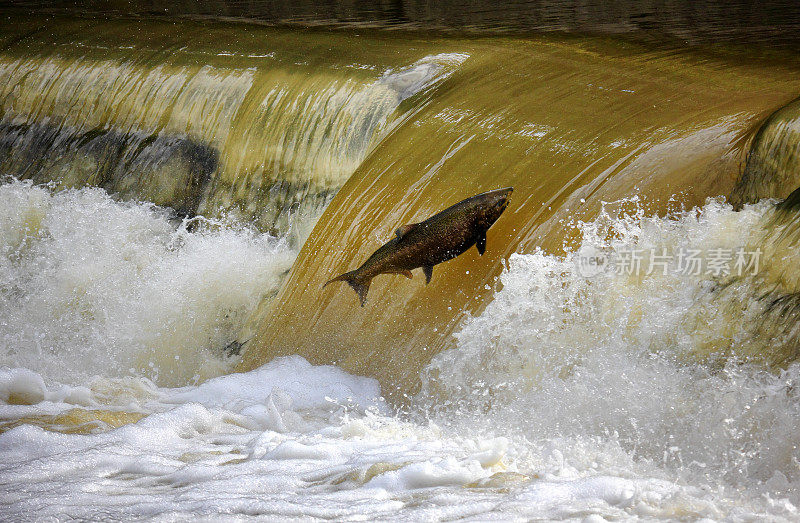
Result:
{"points": [[404, 229]]}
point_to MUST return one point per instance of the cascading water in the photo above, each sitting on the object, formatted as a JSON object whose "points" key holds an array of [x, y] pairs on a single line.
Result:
{"points": [[569, 125], [771, 170], [251, 130], [160, 180]]}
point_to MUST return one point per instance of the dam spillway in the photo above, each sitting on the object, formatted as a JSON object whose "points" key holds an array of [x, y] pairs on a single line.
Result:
{"points": [[245, 128], [593, 123], [176, 191]]}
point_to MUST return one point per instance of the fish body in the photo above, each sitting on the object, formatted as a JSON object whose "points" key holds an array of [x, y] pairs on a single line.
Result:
{"points": [[440, 238]]}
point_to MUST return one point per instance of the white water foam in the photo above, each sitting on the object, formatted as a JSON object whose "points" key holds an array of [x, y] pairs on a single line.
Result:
{"points": [[90, 286], [422, 74], [635, 374], [567, 398]]}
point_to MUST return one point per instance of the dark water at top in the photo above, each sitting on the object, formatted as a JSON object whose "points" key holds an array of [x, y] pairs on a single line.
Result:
{"points": [[774, 22]]}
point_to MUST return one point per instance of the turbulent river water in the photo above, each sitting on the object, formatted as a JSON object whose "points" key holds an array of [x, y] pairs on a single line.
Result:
{"points": [[174, 195]]}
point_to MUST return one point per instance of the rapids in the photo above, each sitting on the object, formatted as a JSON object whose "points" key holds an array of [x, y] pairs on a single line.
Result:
{"points": [[568, 396], [173, 195]]}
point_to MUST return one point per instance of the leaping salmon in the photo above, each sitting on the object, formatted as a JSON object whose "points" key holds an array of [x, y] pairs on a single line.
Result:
{"points": [[440, 238]]}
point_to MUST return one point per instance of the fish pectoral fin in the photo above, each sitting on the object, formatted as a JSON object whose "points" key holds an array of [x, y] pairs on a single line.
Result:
{"points": [[404, 229], [428, 270], [361, 289], [481, 244]]}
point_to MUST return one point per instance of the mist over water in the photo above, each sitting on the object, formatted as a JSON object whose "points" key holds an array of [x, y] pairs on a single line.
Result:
{"points": [[663, 371], [92, 286]]}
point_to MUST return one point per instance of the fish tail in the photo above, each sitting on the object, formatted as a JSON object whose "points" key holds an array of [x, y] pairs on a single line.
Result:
{"points": [[360, 286]]}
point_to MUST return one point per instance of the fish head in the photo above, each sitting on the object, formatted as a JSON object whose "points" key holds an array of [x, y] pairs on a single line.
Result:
{"points": [[493, 203]]}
